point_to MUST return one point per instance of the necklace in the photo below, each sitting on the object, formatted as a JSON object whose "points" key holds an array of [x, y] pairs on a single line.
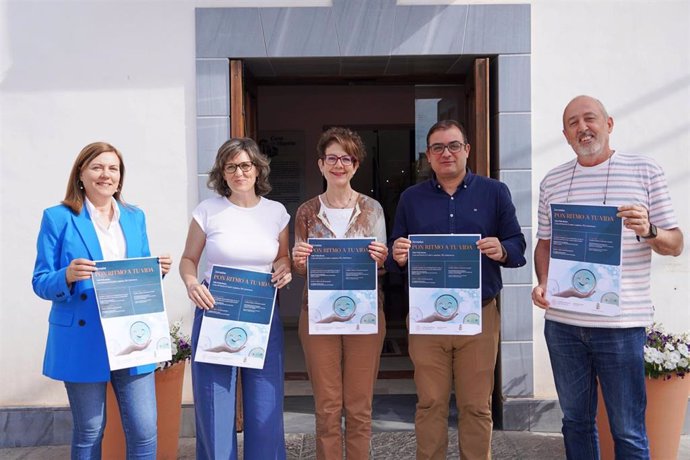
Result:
{"points": [[345, 206], [606, 187]]}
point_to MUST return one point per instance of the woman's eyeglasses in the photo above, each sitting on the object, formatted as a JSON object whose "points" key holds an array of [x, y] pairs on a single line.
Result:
{"points": [[346, 160], [453, 147], [245, 166]]}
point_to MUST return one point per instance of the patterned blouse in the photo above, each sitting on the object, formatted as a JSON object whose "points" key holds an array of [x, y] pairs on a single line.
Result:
{"points": [[367, 221]]}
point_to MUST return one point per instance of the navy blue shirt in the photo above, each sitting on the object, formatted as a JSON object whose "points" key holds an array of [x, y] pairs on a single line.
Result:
{"points": [[479, 205]]}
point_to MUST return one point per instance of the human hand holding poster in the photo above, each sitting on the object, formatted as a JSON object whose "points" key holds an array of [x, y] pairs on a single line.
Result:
{"points": [[445, 285], [342, 282], [235, 332], [129, 294], [585, 263]]}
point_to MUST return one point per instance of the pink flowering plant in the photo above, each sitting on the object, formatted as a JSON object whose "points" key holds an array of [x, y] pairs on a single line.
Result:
{"points": [[181, 346], [666, 354]]}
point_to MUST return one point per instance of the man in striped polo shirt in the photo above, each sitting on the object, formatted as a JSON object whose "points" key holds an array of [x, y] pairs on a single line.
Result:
{"points": [[584, 348]]}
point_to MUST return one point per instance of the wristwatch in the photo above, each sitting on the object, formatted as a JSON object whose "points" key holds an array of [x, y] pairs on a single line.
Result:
{"points": [[651, 234]]}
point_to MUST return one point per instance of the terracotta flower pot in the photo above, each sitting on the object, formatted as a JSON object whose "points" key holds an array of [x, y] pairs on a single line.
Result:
{"points": [[667, 401], [169, 406]]}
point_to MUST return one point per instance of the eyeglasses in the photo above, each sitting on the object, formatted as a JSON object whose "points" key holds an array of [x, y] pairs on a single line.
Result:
{"points": [[346, 160], [245, 166], [453, 147]]}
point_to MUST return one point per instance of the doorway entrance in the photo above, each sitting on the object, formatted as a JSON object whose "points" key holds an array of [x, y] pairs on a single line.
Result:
{"points": [[287, 114], [350, 44]]}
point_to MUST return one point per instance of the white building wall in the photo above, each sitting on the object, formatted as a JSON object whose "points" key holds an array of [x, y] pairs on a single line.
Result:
{"points": [[123, 71], [635, 57]]}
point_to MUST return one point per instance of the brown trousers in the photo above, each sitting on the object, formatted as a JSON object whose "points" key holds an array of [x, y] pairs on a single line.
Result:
{"points": [[470, 360], [342, 370]]}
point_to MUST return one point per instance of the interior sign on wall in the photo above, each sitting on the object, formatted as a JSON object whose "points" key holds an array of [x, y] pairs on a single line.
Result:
{"points": [[285, 149]]}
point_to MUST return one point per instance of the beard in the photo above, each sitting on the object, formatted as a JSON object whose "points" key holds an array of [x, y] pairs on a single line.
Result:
{"points": [[588, 150], [593, 148]]}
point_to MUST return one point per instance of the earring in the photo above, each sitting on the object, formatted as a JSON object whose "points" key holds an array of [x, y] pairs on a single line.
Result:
{"points": [[81, 185]]}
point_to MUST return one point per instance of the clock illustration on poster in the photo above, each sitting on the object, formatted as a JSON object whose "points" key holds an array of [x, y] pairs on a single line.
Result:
{"points": [[471, 318], [368, 318], [344, 306], [584, 281], [139, 332], [236, 338], [610, 298], [257, 352], [446, 305], [163, 343]]}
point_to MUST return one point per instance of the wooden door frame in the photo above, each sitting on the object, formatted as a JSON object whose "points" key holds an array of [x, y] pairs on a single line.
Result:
{"points": [[243, 119], [478, 118], [242, 124]]}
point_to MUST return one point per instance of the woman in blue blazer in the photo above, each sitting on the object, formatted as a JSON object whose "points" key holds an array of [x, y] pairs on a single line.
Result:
{"points": [[93, 223]]}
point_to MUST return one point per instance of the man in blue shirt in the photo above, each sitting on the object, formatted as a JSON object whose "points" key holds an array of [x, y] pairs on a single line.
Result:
{"points": [[456, 201]]}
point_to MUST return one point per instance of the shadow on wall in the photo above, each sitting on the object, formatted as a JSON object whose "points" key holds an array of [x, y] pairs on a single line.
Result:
{"points": [[619, 114]]}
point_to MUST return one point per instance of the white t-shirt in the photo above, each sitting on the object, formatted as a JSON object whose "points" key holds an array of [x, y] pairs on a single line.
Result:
{"points": [[623, 179], [337, 218], [239, 237]]}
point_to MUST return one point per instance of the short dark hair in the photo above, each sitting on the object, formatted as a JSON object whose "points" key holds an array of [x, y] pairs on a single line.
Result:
{"points": [[229, 150], [447, 124], [348, 140], [74, 196]]}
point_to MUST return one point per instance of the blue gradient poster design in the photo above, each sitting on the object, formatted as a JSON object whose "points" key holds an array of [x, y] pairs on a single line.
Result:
{"points": [[342, 287], [236, 331], [129, 294], [585, 259], [445, 279]]}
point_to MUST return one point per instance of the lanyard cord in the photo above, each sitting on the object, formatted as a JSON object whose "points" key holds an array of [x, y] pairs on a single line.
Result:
{"points": [[606, 187]]}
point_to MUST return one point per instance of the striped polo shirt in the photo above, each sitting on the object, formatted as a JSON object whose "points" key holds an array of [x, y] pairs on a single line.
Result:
{"points": [[623, 179]]}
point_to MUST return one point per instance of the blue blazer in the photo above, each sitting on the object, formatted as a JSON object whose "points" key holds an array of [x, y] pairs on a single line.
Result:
{"points": [[75, 351]]}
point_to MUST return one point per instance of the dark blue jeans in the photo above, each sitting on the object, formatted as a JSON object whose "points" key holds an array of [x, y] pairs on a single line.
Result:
{"points": [[615, 357], [214, 390]]}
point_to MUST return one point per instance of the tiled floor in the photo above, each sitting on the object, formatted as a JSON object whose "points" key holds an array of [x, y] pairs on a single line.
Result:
{"points": [[393, 418], [392, 445], [398, 445], [393, 426]]}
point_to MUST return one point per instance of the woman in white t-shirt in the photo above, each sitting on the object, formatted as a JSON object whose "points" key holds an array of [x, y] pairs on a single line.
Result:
{"points": [[241, 229], [342, 368]]}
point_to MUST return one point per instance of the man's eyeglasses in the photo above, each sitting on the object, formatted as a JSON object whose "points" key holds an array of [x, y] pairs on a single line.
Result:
{"points": [[453, 147], [245, 166], [346, 160]]}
